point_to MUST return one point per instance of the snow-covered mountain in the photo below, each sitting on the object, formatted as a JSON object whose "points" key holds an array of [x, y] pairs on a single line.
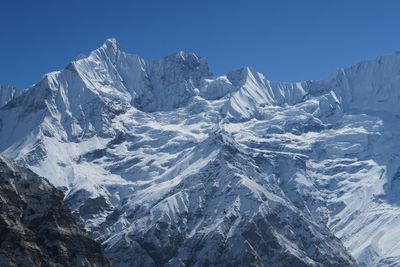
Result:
{"points": [[167, 164]]}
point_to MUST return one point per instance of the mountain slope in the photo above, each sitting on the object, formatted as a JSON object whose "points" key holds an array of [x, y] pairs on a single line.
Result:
{"points": [[166, 164], [7, 93], [228, 213], [36, 227]]}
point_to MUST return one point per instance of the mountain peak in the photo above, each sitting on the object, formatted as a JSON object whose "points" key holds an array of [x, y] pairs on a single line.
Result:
{"points": [[184, 55], [186, 58], [239, 76], [111, 43], [110, 49]]}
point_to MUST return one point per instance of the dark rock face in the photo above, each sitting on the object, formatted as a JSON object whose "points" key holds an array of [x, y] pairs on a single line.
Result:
{"points": [[36, 227]]}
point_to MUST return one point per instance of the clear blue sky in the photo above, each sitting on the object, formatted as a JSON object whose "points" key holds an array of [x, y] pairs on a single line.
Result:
{"points": [[286, 40]]}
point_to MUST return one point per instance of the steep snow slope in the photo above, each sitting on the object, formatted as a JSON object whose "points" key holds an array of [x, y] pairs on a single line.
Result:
{"points": [[166, 164], [370, 85], [36, 227], [8, 92], [255, 91], [223, 209]]}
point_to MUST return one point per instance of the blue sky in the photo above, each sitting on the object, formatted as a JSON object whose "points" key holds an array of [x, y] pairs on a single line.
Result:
{"points": [[286, 40]]}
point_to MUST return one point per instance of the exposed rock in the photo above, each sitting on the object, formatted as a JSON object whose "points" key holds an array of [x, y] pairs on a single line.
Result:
{"points": [[36, 227]]}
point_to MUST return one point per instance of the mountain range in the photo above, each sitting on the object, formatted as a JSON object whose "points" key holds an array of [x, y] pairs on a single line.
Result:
{"points": [[166, 164]]}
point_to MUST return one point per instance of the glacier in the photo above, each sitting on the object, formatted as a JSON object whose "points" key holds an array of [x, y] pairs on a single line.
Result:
{"points": [[167, 164]]}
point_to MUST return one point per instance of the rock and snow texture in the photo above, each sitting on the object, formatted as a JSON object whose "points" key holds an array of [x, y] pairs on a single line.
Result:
{"points": [[7, 93], [166, 164], [36, 227]]}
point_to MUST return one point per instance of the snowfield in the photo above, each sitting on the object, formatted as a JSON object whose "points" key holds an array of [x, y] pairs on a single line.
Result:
{"points": [[168, 165]]}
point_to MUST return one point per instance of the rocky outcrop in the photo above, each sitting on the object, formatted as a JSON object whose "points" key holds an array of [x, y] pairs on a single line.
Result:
{"points": [[36, 227]]}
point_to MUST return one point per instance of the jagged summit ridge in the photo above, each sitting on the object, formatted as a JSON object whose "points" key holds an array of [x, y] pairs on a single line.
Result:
{"points": [[146, 83]]}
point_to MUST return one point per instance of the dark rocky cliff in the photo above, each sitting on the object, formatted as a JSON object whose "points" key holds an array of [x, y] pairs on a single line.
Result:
{"points": [[36, 227]]}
